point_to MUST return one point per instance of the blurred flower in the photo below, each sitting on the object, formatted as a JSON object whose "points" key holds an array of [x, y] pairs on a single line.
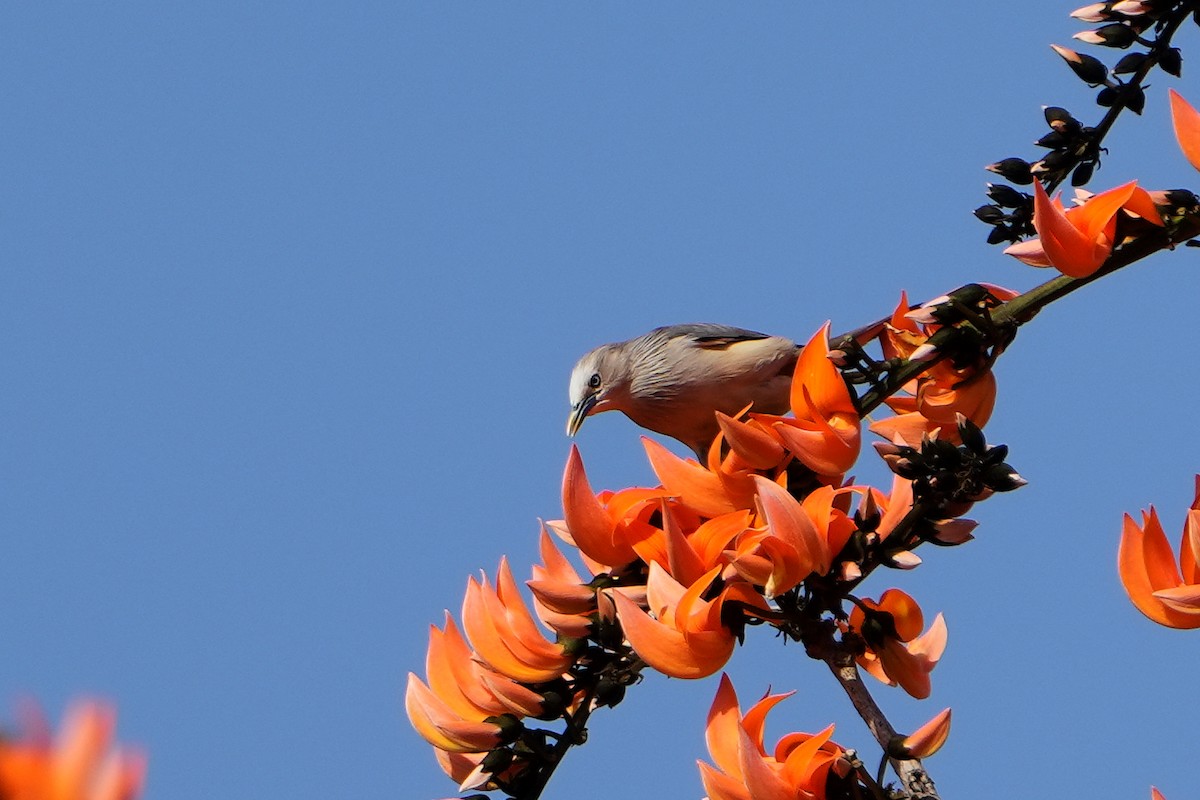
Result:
{"points": [[1149, 572], [799, 768], [1077, 241], [1187, 127], [81, 764], [897, 651]]}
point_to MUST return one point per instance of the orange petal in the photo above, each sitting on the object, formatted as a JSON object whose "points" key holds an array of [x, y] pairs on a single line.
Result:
{"points": [[719, 729], [755, 719], [443, 729], [817, 376], [1146, 565], [752, 442], [508, 645], [1184, 599], [589, 524], [1187, 127], [453, 677], [1094, 216], [1029, 252], [905, 611], [1072, 251], [713, 535], [667, 650], [929, 738], [719, 786], [789, 522], [682, 561], [763, 782], [694, 485], [806, 764], [1142, 204]]}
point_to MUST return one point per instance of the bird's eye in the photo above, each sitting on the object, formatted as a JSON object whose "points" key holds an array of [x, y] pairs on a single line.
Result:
{"points": [[594, 381]]}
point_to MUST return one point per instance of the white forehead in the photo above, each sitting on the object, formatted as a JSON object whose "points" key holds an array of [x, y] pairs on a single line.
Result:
{"points": [[584, 369]]}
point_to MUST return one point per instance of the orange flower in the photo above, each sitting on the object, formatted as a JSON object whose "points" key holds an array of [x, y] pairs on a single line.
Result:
{"points": [[756, 445], [441, 726], [798, 768], [600, 525], [897, 651], [706, 491], [941, 392], [1187, 127], [795, 539], [1149, 573], [504, 634], [685, 639], [825, 434], [1077, 241], [561, 598], [929, 738], [81, 765]]}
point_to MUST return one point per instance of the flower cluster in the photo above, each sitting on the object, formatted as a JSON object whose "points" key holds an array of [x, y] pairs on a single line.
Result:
{"points": [[767, 531], [801, 765], [81, 763], [1153, 578]]}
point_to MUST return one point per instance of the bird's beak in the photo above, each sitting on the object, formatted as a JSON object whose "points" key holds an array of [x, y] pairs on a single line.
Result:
{"points": [[579, 412]]}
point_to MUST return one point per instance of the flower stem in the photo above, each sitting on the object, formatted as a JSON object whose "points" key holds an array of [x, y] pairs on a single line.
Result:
{"points": [[913, 777]]}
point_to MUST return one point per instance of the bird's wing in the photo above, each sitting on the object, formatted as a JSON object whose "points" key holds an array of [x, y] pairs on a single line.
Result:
{"points": [[711, 335]]}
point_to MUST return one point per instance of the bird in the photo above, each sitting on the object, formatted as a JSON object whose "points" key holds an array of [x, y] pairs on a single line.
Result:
{"points": [[673, 379]]}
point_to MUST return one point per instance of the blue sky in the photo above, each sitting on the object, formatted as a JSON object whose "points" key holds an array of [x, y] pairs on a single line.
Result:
{"points": [[292, 291]]}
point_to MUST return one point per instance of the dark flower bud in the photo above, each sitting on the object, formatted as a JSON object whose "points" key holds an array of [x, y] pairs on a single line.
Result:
{"points": [[1107, 97], [1012, 169], [1115, 34], [1083, 173], [1060, 119], [609, 692], [497, 760], [1002, 478], [1054, 140], [1006, 196], [554, 703], [1134, 97], [1171, 61], [996, 455], [1130, 63], [1002, 233], [990, 214], [971, 435], [510, 727], [1089, 68]]}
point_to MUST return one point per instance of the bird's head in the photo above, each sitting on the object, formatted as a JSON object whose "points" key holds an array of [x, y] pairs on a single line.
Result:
{"points": [[598, 383]]}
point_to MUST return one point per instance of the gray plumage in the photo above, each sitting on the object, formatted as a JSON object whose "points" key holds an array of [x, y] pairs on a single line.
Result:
{"points": [[673, 379]]}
